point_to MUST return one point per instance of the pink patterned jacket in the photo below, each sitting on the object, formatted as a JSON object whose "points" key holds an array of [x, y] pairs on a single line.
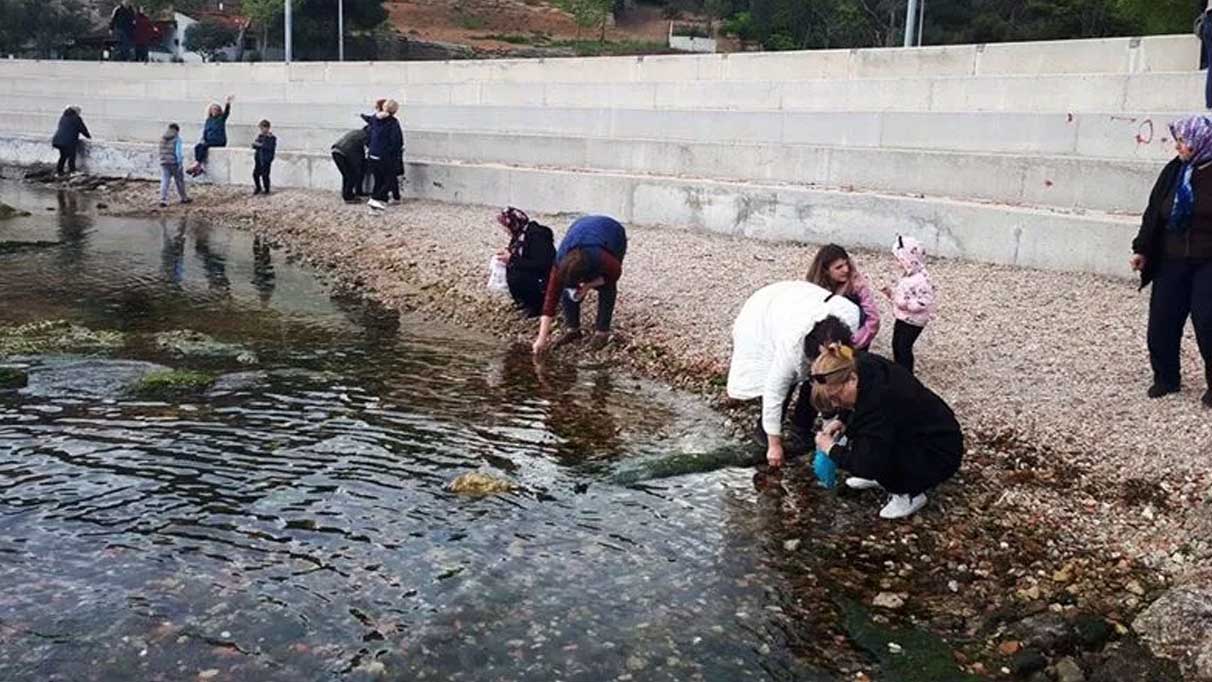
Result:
{"points": [[913, 299]]}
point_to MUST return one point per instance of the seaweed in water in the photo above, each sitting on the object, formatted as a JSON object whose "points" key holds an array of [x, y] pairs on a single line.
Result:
{"points": [[56, 336], [905, 653], [173, 383]]}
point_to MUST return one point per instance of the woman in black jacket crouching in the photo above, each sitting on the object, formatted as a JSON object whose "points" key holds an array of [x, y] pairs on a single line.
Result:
{"points": [[527, 259], [898, 433]]}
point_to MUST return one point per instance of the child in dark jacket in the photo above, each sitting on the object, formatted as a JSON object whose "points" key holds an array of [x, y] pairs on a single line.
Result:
{"points": [[67, 138], [214, 134], [265, 145]]}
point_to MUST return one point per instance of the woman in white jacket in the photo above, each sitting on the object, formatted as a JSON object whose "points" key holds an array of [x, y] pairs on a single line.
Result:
{"points": [[769, 358]]}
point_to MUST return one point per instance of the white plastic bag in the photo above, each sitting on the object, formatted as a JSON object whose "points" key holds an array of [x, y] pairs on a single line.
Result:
{"points": [[496, 276]]}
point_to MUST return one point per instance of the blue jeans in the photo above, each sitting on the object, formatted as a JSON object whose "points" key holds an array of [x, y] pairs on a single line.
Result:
{"points": [[169, 173]]}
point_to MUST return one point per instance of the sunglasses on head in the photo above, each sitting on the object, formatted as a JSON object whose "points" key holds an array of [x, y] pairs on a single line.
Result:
{"points": [[824, 378]]}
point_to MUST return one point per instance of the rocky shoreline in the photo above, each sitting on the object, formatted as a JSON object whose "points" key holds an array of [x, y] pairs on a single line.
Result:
{"points": [[1080, 507]]}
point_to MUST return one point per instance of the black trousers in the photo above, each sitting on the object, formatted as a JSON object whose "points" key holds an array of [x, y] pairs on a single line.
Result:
{"points": [[607, 293], [1181, 289], [351, 176], [527, 289], [261, 175], [904, 335], [67, 155], [382, 170]]}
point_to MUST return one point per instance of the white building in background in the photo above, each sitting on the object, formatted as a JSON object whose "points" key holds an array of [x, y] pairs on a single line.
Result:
{"points": [[690, 43]]}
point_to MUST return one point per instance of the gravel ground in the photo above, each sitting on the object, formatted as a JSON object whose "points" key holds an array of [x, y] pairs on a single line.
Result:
{"points": [[1078, 495]]}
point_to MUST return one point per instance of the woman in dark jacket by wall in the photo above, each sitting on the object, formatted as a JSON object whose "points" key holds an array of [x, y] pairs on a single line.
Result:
{"points": [[67, 138], [898, 433], [385, 145], [1173, 252], [528, 259]]}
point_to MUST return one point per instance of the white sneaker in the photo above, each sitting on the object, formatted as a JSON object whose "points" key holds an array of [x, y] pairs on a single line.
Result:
{"points": [[901, 506], [861, 483], [376, 204]]}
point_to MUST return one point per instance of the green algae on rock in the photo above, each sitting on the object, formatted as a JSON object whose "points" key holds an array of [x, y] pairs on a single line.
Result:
{"points": [[905, 653], [57, 336], [172, 383], [683, 463], [11, 377]]}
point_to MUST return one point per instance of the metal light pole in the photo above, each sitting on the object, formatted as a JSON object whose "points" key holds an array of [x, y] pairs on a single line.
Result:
{"points": [[340, 30], [288, 41], [911, 23]]}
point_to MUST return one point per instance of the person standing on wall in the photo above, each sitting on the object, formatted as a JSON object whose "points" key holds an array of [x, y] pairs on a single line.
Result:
{"points": [[145, 33], [590, 257], [122, 25], [67, 138], [1173, 252]]}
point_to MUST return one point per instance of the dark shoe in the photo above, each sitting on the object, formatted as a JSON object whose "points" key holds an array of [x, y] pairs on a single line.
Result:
{"points": [[187, 201], [256, 191], [163, 204], [1207, 399], [1159, 390], [570, 336], [599, 341]]}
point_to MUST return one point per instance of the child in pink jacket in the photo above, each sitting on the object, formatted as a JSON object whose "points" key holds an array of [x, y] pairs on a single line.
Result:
{"points": [[913, 301]]}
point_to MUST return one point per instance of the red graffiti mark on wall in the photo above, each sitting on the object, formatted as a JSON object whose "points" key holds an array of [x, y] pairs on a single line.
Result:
{"points": [[1070, 118], [1144, 132], [1047, 183]]}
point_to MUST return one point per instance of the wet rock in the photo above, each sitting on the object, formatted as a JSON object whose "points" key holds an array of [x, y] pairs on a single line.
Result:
{"points": [[11, 377], [1046, 631], [171, 383], [1179, 626], [237, 381], [1027, 662], [1092, 631], [56, 336], [7, 212], [479, 483], [1128, 661], [88, 378], [1067, 670], [888, 600], [189, 343], [1040, 676]]}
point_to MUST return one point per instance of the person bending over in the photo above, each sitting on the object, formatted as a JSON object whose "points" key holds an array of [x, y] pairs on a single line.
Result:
{"points": [[779, 331], [590, 257]]}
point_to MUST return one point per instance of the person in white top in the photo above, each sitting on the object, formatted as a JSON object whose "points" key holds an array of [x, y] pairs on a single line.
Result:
{"points": [[770, 357]]}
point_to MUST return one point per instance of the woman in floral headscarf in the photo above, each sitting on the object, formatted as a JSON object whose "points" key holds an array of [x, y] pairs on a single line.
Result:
{"points": [[1173, 251], [527, 258]]}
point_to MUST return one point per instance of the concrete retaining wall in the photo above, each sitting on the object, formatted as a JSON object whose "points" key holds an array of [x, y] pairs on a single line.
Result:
{"points": [[1155, 54], [995, 234]]}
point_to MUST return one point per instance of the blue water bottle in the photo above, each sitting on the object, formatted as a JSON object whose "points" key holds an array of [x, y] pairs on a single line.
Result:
{"points": [[825, 470]]}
